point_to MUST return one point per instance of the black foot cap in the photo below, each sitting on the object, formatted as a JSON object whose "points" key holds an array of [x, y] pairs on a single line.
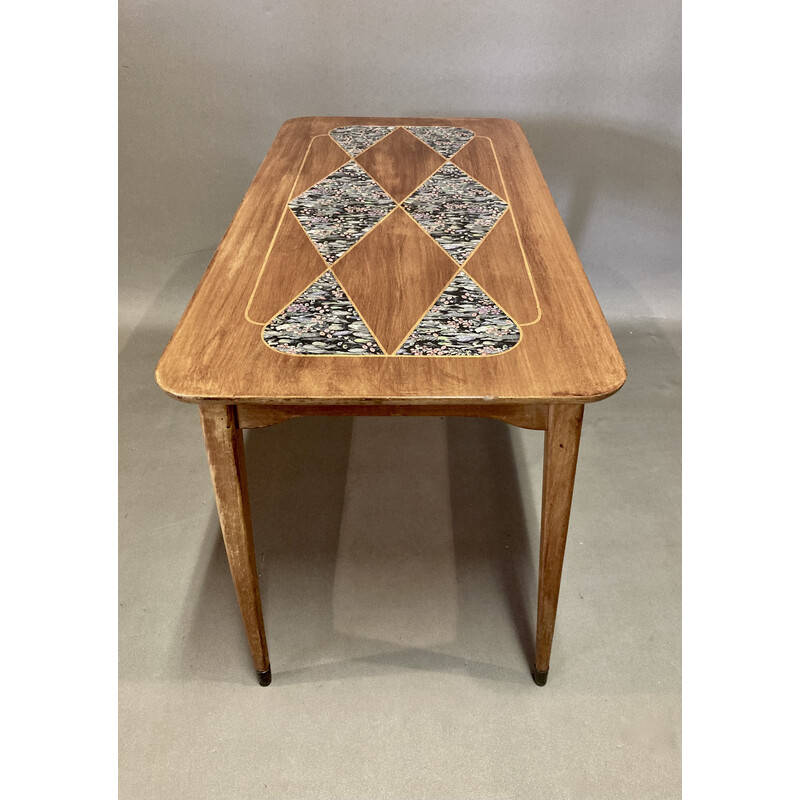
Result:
{"points": [[265, 678], [540, 678]]}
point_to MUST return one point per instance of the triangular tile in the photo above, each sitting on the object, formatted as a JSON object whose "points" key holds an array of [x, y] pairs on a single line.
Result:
{"points": [[444, 139], [400, 163], [464, 321], [321, 322], [393, 276], [356, 139]]}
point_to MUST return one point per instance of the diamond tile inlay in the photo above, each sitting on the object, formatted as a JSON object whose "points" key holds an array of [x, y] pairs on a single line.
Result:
{"points": [[357, 138], [321, 321], [464, 321], [445, 140], [393, 276], [340, 209], [455, 210], [370, 296]]}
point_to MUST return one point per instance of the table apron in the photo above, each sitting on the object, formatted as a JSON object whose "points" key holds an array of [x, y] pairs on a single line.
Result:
{"points": [[531, 416]]}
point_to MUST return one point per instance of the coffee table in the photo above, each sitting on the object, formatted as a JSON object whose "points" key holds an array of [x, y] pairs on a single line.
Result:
{"points": [[393, 267]]}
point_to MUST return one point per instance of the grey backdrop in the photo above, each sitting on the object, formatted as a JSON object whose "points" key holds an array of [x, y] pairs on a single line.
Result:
{"points": [[205, 85], [368, 703]]}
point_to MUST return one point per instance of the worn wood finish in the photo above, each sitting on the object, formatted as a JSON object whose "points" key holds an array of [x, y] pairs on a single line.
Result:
{"points": [[566, 355], [531, 417], [561, 442], [225, 450]]}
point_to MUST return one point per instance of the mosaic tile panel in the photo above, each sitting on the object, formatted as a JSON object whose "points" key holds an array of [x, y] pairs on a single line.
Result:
{"points": [[340, 209], [323, 322], [453, 213], [455, 210], [357, 138], [464, 321], [445, 140]]}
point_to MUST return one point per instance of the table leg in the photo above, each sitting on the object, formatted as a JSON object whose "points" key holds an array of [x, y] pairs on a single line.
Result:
{"points": [[225, 449], [561, 441]]}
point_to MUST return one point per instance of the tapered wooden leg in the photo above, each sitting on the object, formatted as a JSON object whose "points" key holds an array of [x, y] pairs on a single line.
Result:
{"points": [[561, 441], [225, 449]]}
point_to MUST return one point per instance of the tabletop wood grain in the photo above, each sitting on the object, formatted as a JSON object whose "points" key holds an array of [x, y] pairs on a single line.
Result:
{"points": [[394, 260]]}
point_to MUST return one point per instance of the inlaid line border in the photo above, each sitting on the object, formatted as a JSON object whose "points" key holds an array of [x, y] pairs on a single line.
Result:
{"points": [[275, 235], [519, 236]]}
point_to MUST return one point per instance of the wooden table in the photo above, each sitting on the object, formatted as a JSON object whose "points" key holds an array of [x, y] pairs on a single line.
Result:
{"points": [[389, 267]]}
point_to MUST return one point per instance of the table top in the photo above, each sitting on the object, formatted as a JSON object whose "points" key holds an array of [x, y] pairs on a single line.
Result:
{"points": [[375, 260]]}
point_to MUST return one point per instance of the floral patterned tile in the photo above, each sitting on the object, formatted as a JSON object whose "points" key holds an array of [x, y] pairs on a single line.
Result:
{"points": [[455, 210], [464, 321], [444, 139], [340, 209], [321, 321], [356, 139]]}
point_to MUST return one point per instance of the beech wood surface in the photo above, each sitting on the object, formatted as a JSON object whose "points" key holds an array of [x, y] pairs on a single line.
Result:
{"points": [[561, 441], [566, 354], [225, 450], [403, 162], [374, 283]]}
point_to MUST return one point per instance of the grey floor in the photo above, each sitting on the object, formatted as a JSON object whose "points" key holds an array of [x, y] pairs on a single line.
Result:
{"points": [[398, 568]]}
